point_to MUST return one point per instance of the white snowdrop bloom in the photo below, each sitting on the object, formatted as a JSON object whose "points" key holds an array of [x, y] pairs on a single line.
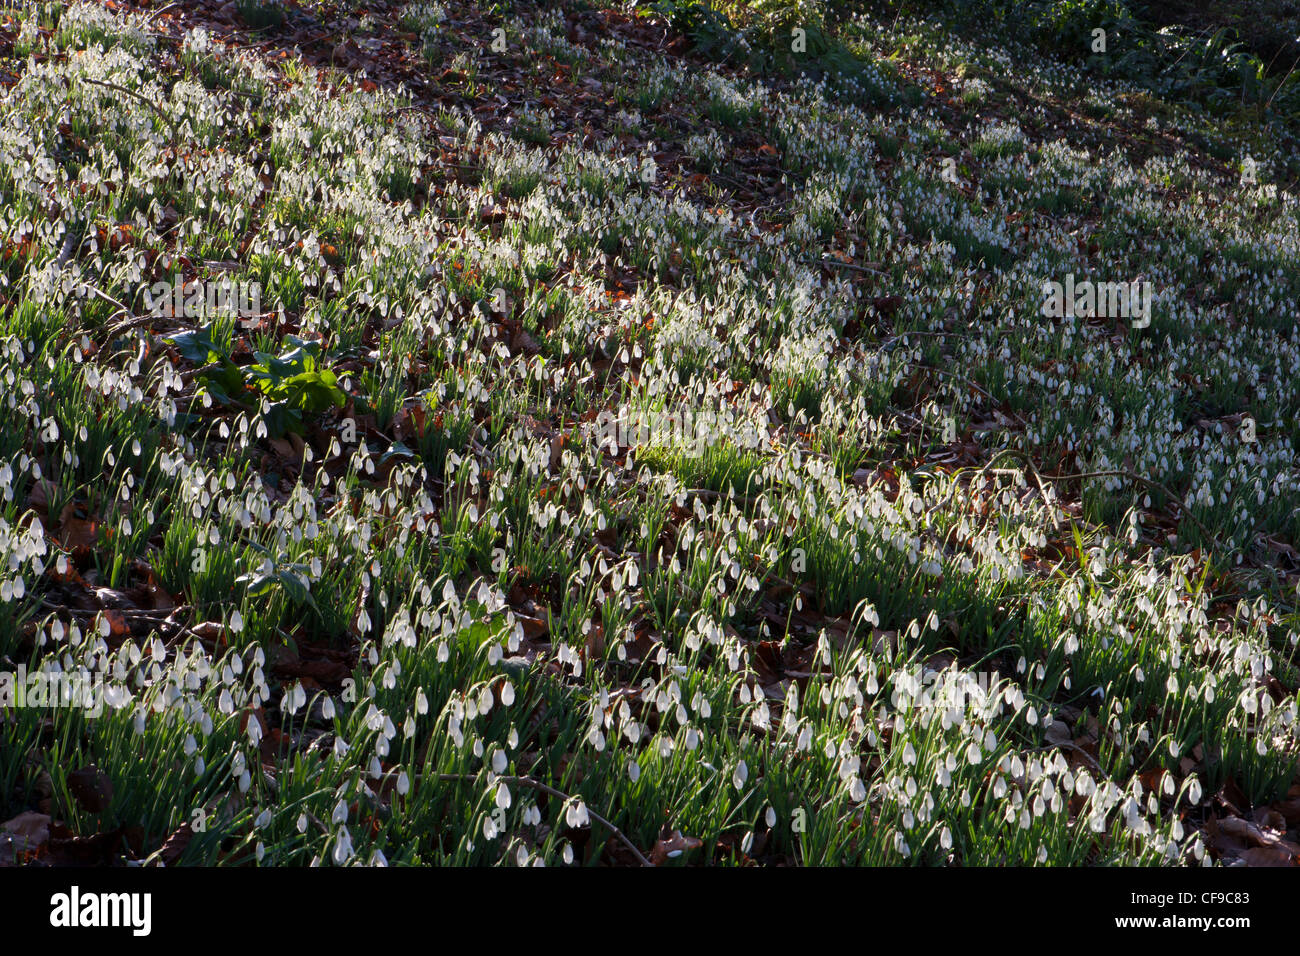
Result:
{"points": [[804, 741], [342, 847], [499, 760], [575, 814]]}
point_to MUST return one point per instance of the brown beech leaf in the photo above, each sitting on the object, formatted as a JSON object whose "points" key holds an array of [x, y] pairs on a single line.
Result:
{"points": [[79, 532], [158, 596], [1289, 810], [24, 835], [91, 788], [113, 598], [1268, 856], [596, 640], [97, 849], [673, 846], [887, 305], [1246, 831], [175, 844], [117, 626], [534, 627], [43, 491], [1058, 733], [282, 448]]}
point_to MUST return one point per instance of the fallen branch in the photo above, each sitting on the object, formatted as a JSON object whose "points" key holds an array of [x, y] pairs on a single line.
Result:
{"points": [[161, 10], [143, 99], [839, 263], [1113, 473]]}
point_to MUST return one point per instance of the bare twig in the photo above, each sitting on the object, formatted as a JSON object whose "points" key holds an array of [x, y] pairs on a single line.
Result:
{"points": [[107, 298], [65, 253], [163, 9], [1113, 473], [133, 322], [839, 263], [143, 99]]}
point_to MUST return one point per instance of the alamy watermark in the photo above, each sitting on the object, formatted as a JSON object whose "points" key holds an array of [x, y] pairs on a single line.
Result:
{"points": [[692, 429], [76, 909], [951, 691], [49, 688], [1087, 299], [219, 298]]}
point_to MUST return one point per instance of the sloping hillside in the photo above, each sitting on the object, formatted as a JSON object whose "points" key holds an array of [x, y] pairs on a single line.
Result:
{"points": [[450, 433]]}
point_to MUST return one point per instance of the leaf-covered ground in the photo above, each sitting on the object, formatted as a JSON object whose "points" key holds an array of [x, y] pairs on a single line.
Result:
{"points": [[631, 458]]}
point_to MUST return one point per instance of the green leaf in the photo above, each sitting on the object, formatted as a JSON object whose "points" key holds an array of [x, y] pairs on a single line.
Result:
{"points": [[196, 346], [396, 450], [257, 583], [224, 381], [281, 419], [295, 587]]}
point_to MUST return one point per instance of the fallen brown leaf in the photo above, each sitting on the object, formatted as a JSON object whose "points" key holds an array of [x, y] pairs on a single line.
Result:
{"points": [[1268, 856], [24, 835], [91, 788], [175, 845], [672, 846]]}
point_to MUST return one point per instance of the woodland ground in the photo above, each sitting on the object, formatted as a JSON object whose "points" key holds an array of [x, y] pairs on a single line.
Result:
{"points": [[883, 564]]}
